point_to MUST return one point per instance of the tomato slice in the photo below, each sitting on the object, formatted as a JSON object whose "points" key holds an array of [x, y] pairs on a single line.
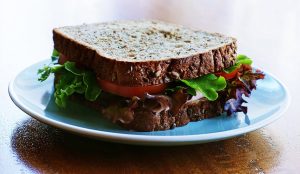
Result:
{"points": [[130, 91], [228, 76]]}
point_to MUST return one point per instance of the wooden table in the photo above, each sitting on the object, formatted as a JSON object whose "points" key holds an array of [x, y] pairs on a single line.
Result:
{"points": [[267, 31]]}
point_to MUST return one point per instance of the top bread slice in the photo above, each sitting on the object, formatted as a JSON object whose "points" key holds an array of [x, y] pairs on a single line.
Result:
{"points": [[142, 53]]}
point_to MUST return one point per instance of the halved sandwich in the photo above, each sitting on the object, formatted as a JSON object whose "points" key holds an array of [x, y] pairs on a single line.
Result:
{"points": [[149, 75]]}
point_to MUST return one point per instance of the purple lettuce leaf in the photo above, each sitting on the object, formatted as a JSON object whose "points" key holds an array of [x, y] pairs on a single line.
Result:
{"points": [[241, 85]]}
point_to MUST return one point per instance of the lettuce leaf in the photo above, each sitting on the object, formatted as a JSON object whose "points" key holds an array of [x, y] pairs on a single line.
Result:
{"points": [[71, 80], [208, 85], [92, 90], [241, 60], [55, 55], [241, 85], [45, 72], [67, 85], [234, 104]]}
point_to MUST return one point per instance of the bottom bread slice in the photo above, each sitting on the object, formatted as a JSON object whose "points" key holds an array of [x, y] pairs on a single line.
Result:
{"points": [[153, 112]]}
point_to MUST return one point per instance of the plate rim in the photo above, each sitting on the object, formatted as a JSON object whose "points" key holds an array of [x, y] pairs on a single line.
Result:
{"points": [[146, 139]]}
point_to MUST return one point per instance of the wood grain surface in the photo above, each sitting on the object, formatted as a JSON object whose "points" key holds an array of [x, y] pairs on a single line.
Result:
{"points": [[267, 31]]}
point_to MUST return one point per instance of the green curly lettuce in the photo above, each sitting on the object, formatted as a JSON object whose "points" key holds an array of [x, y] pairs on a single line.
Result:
{"points": [[55, 55], [208, 85], [45, 72], [71, 80]]}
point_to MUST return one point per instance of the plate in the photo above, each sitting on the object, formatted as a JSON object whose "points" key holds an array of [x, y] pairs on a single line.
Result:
{"points": [[35, 98]]}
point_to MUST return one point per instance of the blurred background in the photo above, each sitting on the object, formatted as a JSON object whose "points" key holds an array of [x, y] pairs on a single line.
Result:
{"points": [[268, 31], [261, 27]]}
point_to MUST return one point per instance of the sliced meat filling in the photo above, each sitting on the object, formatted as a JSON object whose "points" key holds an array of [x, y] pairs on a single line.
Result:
{"points": [[156, 112]]}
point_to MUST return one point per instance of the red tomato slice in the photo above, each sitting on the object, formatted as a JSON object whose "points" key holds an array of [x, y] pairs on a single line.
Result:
{"points": [[228, 76], [130, 91]]}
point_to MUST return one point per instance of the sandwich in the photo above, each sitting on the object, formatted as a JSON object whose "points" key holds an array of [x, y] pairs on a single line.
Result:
{"points": [[149, 75]]}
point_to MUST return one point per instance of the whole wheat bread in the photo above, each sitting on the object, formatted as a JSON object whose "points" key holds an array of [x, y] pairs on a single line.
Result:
{"points": [[140, 53]]}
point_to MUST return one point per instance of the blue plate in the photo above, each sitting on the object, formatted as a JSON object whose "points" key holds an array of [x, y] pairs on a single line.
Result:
{"points": [[265, 105]]}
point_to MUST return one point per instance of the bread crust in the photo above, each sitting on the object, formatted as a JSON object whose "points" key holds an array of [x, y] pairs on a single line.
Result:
{"points": [[144, 73]]}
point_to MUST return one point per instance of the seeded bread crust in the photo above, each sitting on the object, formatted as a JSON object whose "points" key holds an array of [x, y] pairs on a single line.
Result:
{"points": [[147, 72]]}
